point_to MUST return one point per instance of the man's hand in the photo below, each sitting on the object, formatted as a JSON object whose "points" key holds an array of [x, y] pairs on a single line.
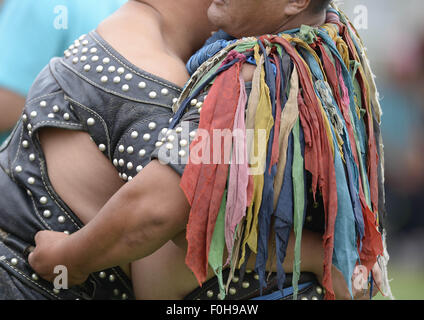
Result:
{"points": [[360, 289], [48, 254]]}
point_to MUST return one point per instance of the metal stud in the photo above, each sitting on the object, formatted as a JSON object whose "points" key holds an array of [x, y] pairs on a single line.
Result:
{"points": [[84, 50], [146, 137], [104, 79], [152, 125], [142, 153], [120, 70], [29, 126], [25, 144], [66, 116], [256, 277], [130, 178], [47, 214], [50, 116], [95, 58], [115, 162], [18, 169], [319, 290], [124, 296], [153, 95], [83, 58], [124, 177], [106, 60], [179, 130], [130, 166], [183, 143], [130, 150], [158, 144], [56, 291], [55, 108], [93, 50], [142, 85], [111, 69], [169, 146], [139, 168], [117, 79], [164, 91], [193, 102], [87, 67], [121, 148], [31, 157], [125, 87], [232, 291], [34, 277], [91, 121], [134, 134], [245, 284], [111, 278], [171, 138], [199, 104], [221, 296], [99, 69], [209, 293], [304, 298], [75, 51], [182, 153], [128, 76], [61, 219], [24, 117], [174, 100], [116, 292], [193, 134], [102, 147], [121, 162], [85, 42], [75, 60], [235, 279], [14, 261], [43, 104], [31, 180], [314, 298], [102, 275]]}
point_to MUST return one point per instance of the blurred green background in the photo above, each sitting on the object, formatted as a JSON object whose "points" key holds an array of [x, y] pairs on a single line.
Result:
{"points": [[393, 32]]}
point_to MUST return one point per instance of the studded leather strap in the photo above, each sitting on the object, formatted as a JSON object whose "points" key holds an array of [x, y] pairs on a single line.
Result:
{"points": [[248, 288]]}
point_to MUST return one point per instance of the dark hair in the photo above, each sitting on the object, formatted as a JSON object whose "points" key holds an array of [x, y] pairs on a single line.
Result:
{"points": [[317, 6]]}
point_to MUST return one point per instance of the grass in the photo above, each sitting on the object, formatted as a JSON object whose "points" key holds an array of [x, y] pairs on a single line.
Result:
{"points": [[405, 284]]}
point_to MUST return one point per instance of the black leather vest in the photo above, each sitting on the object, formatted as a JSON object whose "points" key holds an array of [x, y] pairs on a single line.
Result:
{"points": [[92, 89]]}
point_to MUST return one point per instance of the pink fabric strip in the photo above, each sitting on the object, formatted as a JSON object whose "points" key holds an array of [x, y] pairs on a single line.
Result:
{"points": [[239, 174]]}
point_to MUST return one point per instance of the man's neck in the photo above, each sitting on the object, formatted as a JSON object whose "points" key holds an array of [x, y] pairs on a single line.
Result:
{"points": [[177, 27], [305, 18]]}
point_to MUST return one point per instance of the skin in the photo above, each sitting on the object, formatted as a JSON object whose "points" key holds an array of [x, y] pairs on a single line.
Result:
{"points": [[139, 222], [11, 106]]}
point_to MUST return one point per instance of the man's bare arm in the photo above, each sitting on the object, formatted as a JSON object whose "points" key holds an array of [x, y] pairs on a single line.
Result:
{"points": [[141, 217], [11, 106]]}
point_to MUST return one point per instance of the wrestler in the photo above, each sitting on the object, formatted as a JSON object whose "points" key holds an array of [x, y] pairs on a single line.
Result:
{"points": [[64, 160], [152, 208]]}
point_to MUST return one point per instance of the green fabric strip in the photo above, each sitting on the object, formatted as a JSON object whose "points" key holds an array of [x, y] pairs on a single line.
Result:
{"points": [[216, 251], [299, 204]]}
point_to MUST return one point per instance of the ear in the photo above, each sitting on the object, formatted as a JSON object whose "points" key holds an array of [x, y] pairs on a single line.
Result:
{"points": [[294, 7]]}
